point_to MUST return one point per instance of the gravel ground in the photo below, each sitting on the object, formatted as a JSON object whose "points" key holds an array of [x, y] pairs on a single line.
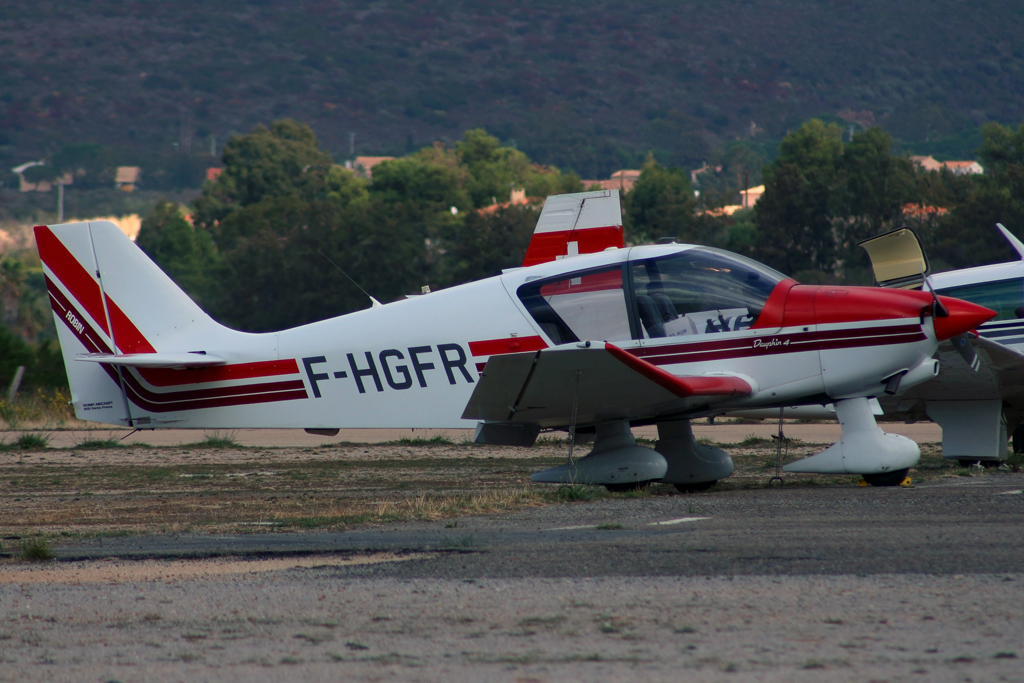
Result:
{"points": [[807, 582], [317, 623]]}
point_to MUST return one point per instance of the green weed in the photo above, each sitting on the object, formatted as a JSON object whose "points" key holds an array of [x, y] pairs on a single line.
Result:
{"points": [[460, 543], [218, 440], [30, 442], [36, 550], [439, 440], [574, 492]]}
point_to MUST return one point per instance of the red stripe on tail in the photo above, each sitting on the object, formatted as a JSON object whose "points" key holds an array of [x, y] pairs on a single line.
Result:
{"points": [[547, 246], [63, 264], [86, 290]]}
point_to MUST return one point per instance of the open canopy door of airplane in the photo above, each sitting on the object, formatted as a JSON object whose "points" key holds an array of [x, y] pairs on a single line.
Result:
{"points": [[897, 259]]}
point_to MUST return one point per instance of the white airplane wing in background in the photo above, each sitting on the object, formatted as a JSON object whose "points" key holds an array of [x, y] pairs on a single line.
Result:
{"points": [[978, 395], [574, 224]]}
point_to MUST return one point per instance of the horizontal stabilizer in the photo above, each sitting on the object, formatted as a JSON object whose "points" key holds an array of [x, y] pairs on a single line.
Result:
{"points": [[154, 360], [540, 387]]}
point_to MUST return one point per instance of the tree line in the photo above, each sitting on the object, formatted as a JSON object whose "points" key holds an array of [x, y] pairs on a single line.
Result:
{"points": [[284, 237], [822, 196]]}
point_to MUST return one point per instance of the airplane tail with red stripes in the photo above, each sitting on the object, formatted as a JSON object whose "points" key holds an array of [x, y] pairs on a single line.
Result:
{"points": [[114, 307]]}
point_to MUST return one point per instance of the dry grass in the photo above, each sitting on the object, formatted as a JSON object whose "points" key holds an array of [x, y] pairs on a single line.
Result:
{"points": [[41, 409], [217, 488]]}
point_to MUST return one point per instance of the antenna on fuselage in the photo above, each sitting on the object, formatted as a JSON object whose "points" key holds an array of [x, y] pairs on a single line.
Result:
{"points": [[373, 302]]}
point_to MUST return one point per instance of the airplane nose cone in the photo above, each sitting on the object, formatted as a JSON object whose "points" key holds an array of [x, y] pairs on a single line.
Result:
{"points": [[963, 316]]}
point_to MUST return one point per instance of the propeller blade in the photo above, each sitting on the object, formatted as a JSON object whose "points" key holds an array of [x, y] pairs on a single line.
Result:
{"points": [[962, 344]]}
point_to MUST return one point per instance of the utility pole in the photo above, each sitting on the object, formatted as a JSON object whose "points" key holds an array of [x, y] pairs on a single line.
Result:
{"points": [[352, 145], [60, 201], [746, 187], [213, 145]]}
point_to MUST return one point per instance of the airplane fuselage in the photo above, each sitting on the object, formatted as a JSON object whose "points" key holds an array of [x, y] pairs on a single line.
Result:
{"points": [[415, 363]]}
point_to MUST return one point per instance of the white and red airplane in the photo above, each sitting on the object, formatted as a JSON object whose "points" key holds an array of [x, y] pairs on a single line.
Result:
{"points": [[589, 335]]}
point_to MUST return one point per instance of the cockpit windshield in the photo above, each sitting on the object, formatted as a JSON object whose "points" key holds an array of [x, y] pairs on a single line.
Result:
{"points": [[700, 291], [694, 292]]}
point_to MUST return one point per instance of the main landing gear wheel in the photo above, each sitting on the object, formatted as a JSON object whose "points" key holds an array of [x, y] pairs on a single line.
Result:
{"points": [[630, 486], [894, 478], [695, 488]]}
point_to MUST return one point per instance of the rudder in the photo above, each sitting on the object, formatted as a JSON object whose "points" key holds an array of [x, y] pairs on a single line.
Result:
{"points": [[108, 297]]}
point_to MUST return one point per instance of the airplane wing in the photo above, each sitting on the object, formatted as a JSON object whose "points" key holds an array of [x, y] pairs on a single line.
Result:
{"points": [[1000, 375], [539, 387], [574, 224]]}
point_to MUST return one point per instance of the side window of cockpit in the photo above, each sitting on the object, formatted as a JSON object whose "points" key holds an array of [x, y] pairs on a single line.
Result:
{"points": [[1005, 297], [699, 291], [588, 305]]}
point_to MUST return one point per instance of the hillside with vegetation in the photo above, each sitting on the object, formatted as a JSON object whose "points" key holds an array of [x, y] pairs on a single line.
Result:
{"points": [[822, 102], [586, 86]]}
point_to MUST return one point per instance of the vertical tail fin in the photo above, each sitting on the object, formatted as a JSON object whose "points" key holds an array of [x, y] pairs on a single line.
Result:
{"points": [[574, 224], [108, 298]]}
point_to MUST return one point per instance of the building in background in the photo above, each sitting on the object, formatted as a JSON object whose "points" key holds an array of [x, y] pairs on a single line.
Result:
{"points": [[956, 167], [127, 178], [622, 180], [363, 166]]}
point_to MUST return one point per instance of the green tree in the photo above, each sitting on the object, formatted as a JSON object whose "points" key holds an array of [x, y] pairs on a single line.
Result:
{"points": [[275, 274], [284, 160], [661, 204], [966, 236], [877, 185], [796, 214], [486, 242], [13, 352], [185, 253]]}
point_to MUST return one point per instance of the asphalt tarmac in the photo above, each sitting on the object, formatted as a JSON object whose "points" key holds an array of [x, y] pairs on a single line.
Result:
{"points": [[798, 583], [946, 527]]}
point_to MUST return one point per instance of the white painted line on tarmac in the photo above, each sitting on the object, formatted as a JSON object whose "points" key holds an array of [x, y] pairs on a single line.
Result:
{"points": [[571, 528], [678, 521], [1009, 493]]}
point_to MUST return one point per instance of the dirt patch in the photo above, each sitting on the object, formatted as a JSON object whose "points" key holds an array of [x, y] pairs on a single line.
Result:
{"points": [[95, 491], [115, 571]]}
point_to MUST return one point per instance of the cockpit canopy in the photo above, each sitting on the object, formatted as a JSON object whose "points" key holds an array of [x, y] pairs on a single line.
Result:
{"points": [[694, 292]]}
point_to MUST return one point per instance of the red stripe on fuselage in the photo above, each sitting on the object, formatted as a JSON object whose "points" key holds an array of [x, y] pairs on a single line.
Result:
{"points": [[548, 246], [494, 347], [166, 377], [773, 344]]}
